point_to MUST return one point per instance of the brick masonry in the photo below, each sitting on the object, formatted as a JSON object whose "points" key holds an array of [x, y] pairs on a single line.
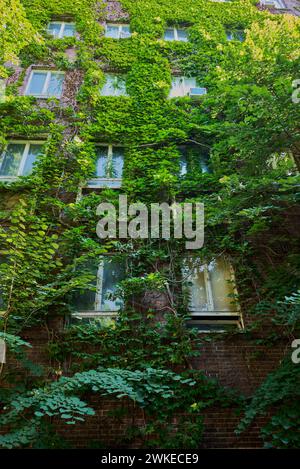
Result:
{"points": [[234, 361]]}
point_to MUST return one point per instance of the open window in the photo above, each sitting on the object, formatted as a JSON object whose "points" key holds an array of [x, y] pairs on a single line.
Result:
{"points": [[212, 294], [117, 30], [98, 302], [176, 34], [184, 86], [45, 84], [61, 29], [109, 167], [18, 159], [115, 85]]}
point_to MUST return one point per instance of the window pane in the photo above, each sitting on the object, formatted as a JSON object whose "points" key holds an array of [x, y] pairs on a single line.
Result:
{"points": [[112, 30], [37, 82], [181, 86], [69, 30], [101, 162], [195, 276], [55, 85], [84, 300], [203, 161], [10, 160], [219, 273], [239, 35], [118, 162], [182, 35], [169, 34], [125, 31], [189, 83], [54, 29], [229, 35], [113, 272], [176, 87], [183, 164], [114, 86], [192, 160], [34, 151], [119, 86]]}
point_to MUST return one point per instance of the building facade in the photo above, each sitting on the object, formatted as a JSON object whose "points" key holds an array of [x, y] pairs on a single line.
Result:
{"points": [[123, 97]]}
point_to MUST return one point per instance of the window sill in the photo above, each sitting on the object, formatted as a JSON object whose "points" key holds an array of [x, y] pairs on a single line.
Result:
{"points": [[8, 178], [95, 314], [199, 313], [100, 183], [42, 96]]}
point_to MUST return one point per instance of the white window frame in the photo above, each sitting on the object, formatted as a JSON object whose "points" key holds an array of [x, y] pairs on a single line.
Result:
{"points": [[102, 182], [24, 157], [62, 28], [97, 312], [278, 4], [120, 27], [176, 38], [46, 84]]}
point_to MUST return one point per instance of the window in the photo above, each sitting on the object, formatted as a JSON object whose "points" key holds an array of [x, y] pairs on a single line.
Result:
{"points": [[98, 300], [115, 85], [176, 34], [278, 4], [109, 167], [60, 29], [211, 290], [181, 86], [192, 160], [117, 31], [45, 84], [235, 35], [18, 159]]}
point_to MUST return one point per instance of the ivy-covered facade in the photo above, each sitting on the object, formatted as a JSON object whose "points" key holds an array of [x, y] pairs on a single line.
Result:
{"points": [[140, 342]]}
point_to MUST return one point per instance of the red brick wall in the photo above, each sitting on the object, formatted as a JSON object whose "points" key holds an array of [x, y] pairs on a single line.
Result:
{"points": [[234, 361]]}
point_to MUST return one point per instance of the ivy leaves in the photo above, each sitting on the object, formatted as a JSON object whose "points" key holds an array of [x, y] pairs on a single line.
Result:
{"points": [[59, 399]]}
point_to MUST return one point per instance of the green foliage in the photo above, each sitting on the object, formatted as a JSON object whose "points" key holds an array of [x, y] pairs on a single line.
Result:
{"points": [[16, 31], [148, 388], [278, 395]]}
